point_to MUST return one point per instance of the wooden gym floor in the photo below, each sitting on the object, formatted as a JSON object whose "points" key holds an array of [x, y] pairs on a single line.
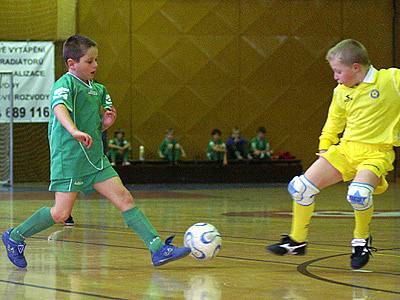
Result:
{"points": [[101, 259]]}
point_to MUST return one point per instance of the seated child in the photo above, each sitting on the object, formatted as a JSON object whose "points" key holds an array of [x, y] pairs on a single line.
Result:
{"points": [[169, 149], [259, 146], [216, 149], [119, 149], [236, 145]]}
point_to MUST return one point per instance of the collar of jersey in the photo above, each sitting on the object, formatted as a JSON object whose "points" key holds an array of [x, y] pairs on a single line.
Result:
{"points": [[370, 77], [88, 85]]}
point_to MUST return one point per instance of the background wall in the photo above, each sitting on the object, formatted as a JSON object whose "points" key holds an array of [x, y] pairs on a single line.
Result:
{"points": [[196, 65], [37, 20]]}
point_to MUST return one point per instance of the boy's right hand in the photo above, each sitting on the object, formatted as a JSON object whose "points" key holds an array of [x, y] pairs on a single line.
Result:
{"points": [[83, 137]]}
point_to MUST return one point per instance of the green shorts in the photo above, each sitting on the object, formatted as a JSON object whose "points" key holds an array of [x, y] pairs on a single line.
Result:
{"points": [[82, 184]]}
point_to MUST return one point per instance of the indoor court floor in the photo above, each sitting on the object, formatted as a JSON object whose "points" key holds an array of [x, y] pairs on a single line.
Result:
{"points": [[100, 258]]}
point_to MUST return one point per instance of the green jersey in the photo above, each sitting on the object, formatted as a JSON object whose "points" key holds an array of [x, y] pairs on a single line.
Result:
{"points": [[262, 145], [68, 157], [169, 151], [214, 155], [114, 154], [117, 142]]}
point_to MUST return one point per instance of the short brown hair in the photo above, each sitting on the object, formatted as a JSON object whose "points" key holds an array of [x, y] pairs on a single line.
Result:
{"points": [[261, 129], [349, 52], [76, 46]]}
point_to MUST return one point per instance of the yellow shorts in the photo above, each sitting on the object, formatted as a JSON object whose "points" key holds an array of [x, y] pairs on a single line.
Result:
{"points": [[350, 157]]}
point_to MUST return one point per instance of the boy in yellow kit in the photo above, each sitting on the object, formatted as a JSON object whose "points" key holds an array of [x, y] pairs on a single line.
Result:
{"points": [[366, 108]]}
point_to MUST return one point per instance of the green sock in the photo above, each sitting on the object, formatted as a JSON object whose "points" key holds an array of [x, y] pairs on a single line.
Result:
{"points": [[137, 221], [38, 222]]}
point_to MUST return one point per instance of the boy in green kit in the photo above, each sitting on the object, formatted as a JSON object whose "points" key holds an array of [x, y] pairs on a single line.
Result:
{"points": [[80, 110], [169, 149], [216, 149], [119, 149], [259, 145]]}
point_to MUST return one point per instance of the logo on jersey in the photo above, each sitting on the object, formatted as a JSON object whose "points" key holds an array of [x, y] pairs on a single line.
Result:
{"points": [[108, 99], [374, 94], [61, 92], [93, 92], [348, 98], [78, 182]]}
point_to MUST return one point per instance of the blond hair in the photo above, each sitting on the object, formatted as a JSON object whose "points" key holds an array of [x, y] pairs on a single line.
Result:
{"points": [[349, 52]]}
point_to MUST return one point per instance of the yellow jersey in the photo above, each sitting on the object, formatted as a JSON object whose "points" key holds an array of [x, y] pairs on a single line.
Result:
{"points": [[367, 113]]}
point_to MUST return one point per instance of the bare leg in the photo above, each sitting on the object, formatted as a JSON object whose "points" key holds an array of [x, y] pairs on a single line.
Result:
{"points": [[116, 192], [322, 174], [367, 176], [64, 202]]}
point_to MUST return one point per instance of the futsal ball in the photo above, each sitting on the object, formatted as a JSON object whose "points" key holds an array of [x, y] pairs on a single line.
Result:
{"points": [[204, 241]]}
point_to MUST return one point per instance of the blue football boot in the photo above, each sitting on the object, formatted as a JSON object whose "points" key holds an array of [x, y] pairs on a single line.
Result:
{"points": [[168, 253], [15, 250]]}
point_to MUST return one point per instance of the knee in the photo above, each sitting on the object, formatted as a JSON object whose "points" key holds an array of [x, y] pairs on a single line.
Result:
{"points": [[302, 190], [359, 195], [59, 216]]}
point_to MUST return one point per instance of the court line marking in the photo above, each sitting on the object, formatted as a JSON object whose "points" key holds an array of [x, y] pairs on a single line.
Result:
{"points": [[221, 256], [296, 264], [224, 240], [302, 268], [94, 226], [60, 290], [106, 227]]}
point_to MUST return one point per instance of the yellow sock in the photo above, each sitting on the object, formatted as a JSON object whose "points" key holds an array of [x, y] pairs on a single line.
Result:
{"points": [[300, 221], [363, 219]]}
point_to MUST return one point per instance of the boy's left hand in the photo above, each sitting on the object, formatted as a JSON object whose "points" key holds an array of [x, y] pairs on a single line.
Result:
{"points": [[109, 118]]}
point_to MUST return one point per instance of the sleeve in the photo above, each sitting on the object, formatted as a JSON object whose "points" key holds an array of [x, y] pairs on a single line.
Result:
{"points": [[396, 79], [253, 145], [209, 146], [334, 124], [163, 147], [106, 101], [61, 94]]}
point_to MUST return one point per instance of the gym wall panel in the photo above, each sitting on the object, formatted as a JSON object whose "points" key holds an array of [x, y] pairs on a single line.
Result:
{"points": [[66, 18], [204, 64], [370, 22], [184, 63], [28, 19], [47, 20], [226, 64], [37, 20], [196, 65], [283, 46], [108, 23]]}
